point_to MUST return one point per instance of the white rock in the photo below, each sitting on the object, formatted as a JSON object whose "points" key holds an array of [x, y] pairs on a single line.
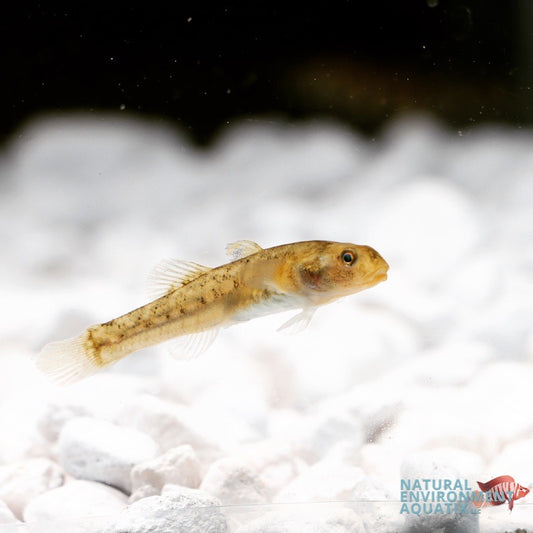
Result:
{"points": [[302, 519], [324, 481], [383, 340], [80, 400], [78, 506], [178, 465], [529, 346], [423, 464], [236, 401], [354, 408], [274, 462], [382, 460], [442, 412], [101, 451], [385, 462], [23, 441], [467, 463], [498, 519], [177, 510], [369, 489], [22, 390], [376, 506], [346, 451], [168, 424], [286, 425], [21, 482], [326, 428], [510, 461], [436, 366], [144, 491], [234, 482], [508, 420], [427, 466], [459, 523], [6, 516], [449, 222], [223, 425], [458, 274], [54, 416]]}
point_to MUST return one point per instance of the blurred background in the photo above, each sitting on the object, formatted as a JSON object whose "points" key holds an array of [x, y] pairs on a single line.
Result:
{"points": [[203, 64]]}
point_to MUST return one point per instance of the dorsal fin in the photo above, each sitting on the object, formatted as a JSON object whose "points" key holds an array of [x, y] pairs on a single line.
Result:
{"points": [[239, 249], [170, 274]]}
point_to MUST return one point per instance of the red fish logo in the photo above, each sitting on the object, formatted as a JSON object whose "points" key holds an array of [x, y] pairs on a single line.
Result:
{"points": [[499, 490]]}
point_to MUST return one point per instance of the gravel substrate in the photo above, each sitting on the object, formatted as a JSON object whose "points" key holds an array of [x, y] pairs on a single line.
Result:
{"points": [[427, 375]]}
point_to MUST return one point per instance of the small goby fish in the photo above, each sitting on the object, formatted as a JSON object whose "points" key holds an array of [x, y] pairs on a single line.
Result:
{"points": [[195, 301]]}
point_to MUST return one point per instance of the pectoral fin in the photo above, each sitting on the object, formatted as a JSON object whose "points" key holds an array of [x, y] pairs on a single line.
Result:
{"points": [[299, 322], [275, 302]]}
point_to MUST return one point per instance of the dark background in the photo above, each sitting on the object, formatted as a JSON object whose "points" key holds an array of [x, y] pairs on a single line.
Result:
{"points": [[204, 64]]}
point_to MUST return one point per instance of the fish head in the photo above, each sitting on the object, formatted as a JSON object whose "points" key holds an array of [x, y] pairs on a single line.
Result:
{"points": [[520, 492], [335, 270]]}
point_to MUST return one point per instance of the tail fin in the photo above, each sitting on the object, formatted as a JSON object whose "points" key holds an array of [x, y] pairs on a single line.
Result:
{"points": [[70, 360]]}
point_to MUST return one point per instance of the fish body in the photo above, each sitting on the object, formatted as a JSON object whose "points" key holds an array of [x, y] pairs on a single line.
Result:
{"points": [[194, 301], [501, 489]]}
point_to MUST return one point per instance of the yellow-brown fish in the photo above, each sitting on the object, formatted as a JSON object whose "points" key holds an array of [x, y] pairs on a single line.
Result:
{"points": [[195, 300]]}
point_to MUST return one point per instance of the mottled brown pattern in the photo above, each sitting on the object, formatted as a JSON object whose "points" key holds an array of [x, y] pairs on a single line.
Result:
{"points": [[298, 275]]}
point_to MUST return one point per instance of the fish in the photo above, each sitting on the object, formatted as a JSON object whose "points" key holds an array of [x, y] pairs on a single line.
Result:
{"points": [[191, 302], [499, 490]]}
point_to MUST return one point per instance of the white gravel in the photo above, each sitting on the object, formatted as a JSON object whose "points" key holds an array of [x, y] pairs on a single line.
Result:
{"points": [[179, 466], [22, 481], [78, 506], [427, 374], [97, 450], [178, 510]]}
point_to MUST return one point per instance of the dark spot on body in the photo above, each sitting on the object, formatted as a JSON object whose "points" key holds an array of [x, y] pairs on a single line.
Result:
{"points": [[202, 300]]}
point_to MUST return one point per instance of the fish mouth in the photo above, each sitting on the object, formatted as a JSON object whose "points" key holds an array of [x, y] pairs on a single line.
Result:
{"points": [[378, 276]]}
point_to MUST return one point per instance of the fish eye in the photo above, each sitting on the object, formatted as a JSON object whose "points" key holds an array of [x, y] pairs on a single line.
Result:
{"points": [[348, 257]]}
